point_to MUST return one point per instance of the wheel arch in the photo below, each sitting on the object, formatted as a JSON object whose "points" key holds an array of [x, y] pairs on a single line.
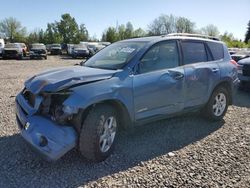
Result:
{"points": [[121, 109], [228, 86]]}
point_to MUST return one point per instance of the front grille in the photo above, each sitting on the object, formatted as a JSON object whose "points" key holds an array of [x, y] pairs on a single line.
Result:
{"points": [[10, 52], [30, 97], [246, 70], [39, 51]]}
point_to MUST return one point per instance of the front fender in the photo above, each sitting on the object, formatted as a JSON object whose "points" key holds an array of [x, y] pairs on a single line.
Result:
{"points": [[110, 89]]}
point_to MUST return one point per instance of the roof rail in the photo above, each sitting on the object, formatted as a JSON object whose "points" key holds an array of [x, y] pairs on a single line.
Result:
{"points": [[193, 35]]}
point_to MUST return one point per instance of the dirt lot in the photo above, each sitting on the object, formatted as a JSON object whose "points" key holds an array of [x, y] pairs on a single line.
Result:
{"points": [[204, 154]]}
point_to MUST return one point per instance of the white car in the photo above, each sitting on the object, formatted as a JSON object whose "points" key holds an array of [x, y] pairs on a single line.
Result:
{"points": [[1, 46]]}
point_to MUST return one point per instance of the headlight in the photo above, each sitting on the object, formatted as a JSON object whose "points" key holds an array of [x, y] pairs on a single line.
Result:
{"points": [[70, 109]]}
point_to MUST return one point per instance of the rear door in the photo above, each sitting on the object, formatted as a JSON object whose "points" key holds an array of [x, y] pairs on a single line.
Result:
{"points": [[158, 87], [201, 72]]}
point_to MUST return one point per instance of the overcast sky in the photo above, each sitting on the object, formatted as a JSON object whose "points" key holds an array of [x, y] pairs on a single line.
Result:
{"points": [[97, 15]]}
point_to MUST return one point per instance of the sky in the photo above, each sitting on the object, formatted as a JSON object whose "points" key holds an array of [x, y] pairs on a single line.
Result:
{"points": [[97, 15]]}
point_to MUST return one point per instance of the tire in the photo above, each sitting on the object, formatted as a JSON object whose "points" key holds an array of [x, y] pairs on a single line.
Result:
{"points": [[20, 57], [45, 57], [96, 144], [214, 110]]}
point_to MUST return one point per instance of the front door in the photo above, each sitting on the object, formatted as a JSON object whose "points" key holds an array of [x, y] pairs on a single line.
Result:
{"points": [[158, 87]]}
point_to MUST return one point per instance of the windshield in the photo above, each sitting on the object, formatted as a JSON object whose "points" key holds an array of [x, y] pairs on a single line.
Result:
{"points": [[115, 56], [40, 46], [11, 45], [56, 45], [80, 46]]}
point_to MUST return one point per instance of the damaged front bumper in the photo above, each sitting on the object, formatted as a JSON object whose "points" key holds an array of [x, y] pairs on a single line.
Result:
{"points": [[50, 139]]}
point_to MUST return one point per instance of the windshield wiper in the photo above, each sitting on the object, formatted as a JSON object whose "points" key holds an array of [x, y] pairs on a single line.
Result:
{"points": [[106, 68]]}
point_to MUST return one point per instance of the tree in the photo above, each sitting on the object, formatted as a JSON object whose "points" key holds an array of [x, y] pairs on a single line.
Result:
{"points": [[37, 36], [139, 33], [82, 35], [210, 30], [129, 30], [13, 29], [231, 42], [247, 38], [184, 25], [68, 28], [165, 24], [111, 35], [52, 34], [122, 32], [162, 25]]}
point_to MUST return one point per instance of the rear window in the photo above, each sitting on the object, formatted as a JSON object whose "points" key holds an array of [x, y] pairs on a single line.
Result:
{"points": [[217, 50], [194, 52]]}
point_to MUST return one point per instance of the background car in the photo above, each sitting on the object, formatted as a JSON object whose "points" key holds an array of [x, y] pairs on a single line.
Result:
{"points": [[13, 50], [2, 44], [80, 51], [38, 50], [238, 56], [244, 71], [55, 49]]}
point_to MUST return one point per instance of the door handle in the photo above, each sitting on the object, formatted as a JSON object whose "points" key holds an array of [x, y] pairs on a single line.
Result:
{"points": [[178, 76], [215, 70]]}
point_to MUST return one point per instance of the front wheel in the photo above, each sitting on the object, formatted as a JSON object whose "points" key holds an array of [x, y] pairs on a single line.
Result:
{"points": [[20, 57], [98, 133], [217, 105]]}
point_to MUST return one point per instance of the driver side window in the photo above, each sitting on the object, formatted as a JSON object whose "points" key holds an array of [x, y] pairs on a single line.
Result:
{"points": [[163, 55]]}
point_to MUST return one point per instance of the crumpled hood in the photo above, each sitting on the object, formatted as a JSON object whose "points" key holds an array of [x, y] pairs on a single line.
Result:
{"points": [[62, 78]]}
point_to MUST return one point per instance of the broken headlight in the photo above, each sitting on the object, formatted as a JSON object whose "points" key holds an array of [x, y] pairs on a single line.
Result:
{"points": [[53, 107]]}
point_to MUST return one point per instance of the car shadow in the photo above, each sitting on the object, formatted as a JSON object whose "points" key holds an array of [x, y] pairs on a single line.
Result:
{"points": [[65, 57], [242, 97], [144, 143]]}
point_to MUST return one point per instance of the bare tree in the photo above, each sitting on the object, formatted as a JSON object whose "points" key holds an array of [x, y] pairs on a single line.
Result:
{"points": [[12, 29], [165, 24], [210, 30], [184, 25]]}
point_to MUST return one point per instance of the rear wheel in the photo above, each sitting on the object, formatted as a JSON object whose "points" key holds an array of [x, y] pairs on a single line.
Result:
{"points": [[217, 105], [98, 133]]}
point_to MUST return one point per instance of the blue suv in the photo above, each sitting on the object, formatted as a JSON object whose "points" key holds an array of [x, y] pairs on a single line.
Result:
{"points": [[128, 83]]}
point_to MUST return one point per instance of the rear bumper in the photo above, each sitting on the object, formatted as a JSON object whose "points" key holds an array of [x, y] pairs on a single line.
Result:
{"points": [[51, 140]]}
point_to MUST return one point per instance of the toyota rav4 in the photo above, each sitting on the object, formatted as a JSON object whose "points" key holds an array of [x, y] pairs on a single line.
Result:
{"points": [[128, 83]]}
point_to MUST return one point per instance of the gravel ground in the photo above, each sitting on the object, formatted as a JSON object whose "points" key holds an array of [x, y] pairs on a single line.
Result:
{"points": [[180, 152]]}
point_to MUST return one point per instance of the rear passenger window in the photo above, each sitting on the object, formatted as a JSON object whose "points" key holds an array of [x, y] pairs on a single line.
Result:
{"points": [[194, 52], [216, 49]]}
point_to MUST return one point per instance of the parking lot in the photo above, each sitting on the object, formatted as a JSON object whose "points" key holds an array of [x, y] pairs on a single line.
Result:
{"points": [[186, 151]]}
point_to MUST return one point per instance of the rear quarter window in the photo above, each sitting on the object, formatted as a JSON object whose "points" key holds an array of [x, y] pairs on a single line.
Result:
{"points": [[216, 50]]}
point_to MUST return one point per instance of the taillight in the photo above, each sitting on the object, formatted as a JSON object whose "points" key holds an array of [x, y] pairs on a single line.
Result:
{"points": [[234, 62]]}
